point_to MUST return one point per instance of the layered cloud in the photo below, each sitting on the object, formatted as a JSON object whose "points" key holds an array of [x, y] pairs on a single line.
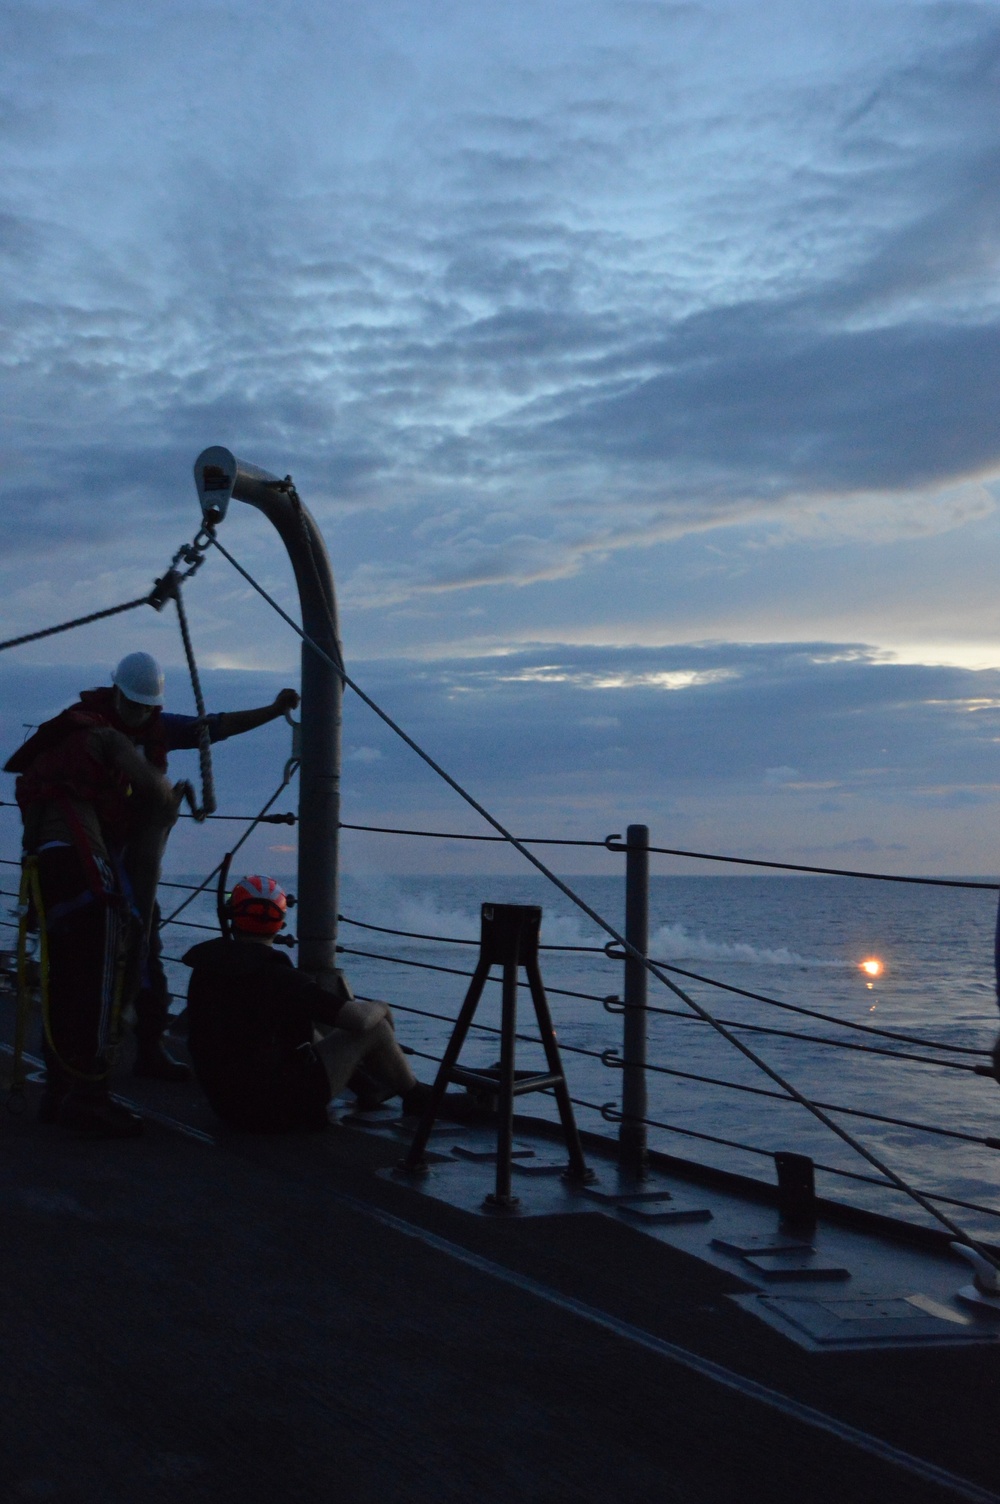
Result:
{"points": [[635, 323], [823, 753], [583, 295]]}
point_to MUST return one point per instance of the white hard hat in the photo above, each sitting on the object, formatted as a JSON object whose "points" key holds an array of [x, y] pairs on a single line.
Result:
{"points": [[140, 678]]}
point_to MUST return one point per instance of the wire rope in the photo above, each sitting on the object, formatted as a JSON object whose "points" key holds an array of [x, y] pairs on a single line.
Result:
{"points": [[454, 971], [632, 950], [759, 997], [611, 1114], [829, 1018], [704, 856], [79, 621], [594, 950], [218, 866]]}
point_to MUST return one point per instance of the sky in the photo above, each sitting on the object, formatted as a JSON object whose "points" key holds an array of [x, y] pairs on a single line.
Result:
{"points": [[638, 360]]}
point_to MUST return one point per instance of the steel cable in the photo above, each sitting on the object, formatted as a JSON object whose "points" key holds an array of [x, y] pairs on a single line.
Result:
{"points": [[843, 1023], [724, 1033], [611, 1114], [666, 1012], [722, 986], [876, 877], [383, 929], [454, 971], [79, 621], [704, 856], [608, 1058], [218, 866]]}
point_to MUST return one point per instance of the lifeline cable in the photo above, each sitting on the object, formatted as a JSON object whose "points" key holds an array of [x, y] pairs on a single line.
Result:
{"points": [[703, 856], [615, 1005], [793, 1092], [215, 870]]}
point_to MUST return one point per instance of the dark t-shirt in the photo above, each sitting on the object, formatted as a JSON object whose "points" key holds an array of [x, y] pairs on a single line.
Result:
{"points": [[250, 1033]]}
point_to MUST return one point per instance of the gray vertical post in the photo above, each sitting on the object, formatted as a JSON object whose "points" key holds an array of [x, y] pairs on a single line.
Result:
{"points": [[632, 1133], [220, 476]]}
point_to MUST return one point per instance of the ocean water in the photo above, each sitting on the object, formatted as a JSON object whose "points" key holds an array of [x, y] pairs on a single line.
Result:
{"points": [[795, 941]]}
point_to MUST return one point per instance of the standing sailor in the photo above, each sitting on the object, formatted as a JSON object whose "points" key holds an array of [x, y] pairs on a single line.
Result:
{"points": [[84, 790], [136, 704]]}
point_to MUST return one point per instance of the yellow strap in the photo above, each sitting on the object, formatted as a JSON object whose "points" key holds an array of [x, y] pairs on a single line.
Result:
{"points": [[31, 892]]}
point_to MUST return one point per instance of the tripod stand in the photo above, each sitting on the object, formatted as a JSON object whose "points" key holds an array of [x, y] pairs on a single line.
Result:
{"points": [[508, 938]]}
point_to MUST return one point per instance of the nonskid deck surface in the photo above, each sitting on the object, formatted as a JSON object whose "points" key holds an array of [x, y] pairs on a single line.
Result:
{"points": [[827, 1287], [208, 1316]]}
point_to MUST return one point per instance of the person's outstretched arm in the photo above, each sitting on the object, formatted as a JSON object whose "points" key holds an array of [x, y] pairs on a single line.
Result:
{"points": [[235, 722], [182, 730]]}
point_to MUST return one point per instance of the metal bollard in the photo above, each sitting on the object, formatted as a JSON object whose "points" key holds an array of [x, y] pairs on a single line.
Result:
{"points": [[632, 1157]]}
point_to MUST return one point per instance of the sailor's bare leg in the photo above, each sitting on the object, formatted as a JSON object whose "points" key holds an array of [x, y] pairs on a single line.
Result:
{"points": [[344, 1050]]}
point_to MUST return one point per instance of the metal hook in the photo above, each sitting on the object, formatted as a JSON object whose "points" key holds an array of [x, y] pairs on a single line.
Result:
{"points": [[296, 756]]}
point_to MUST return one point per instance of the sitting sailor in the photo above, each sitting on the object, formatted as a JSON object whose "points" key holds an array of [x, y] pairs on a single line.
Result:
{"points": [[251, 1028]]}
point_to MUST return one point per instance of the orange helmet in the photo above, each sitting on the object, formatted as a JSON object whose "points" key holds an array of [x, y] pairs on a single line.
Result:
{"points": [[257, 906]]}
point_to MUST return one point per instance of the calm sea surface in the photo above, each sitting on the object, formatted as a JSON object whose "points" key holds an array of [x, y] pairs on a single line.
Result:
{"points": [[797, 941]]}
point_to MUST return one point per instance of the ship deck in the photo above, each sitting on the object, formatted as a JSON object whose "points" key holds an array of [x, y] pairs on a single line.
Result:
{"points": [[206, 1316]]}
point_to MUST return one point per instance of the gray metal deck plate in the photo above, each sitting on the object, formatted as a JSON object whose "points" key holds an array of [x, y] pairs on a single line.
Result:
{"points": [[649, 1214], [794, 1264], [900, 1295], [863, 1321]]}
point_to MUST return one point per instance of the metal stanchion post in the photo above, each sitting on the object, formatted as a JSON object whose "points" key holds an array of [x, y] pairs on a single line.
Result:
{"points": [[632, 1158]]}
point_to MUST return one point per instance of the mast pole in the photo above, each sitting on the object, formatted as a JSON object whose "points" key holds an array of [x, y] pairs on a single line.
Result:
{"points": [[220, 477]]}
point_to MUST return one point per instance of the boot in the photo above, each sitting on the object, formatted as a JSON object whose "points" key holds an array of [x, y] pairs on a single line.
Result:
{"points": [[154, 1063], [50, 1102], [454, 1107], [98, 1117]]}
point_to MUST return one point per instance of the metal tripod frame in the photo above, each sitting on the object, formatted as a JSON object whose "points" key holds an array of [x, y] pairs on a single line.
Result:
{"points": [[508, 938]]}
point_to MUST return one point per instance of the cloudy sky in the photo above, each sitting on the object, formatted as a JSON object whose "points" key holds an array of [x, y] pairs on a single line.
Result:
{"points": [[639, 361]]}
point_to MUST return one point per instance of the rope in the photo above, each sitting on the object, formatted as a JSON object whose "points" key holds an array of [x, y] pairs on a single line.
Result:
{"points": [[31, 899], [208, 804], [163, 588], [79, 621], [632, 950]]}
